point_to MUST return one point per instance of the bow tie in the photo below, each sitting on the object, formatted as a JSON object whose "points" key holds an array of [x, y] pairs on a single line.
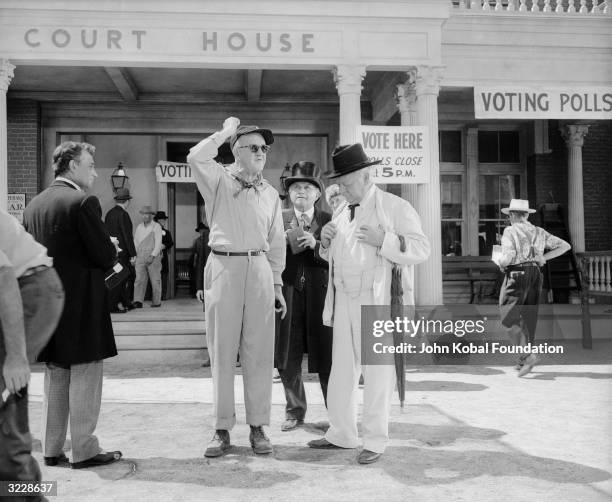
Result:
{"points": [[352, 209]]}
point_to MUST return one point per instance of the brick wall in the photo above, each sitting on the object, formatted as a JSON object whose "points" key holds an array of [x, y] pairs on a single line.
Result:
{"points": [[24, 143], [547, 180]]}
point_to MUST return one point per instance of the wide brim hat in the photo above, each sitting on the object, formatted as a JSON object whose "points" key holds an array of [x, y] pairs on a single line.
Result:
{"points": [[122, 194], [521, 205], [348, 159], [160, 215], [242, 130], [146, 210], [304, 171]]}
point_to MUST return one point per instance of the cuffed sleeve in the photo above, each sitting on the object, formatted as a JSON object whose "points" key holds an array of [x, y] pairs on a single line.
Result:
{"points": [[406, 222]]}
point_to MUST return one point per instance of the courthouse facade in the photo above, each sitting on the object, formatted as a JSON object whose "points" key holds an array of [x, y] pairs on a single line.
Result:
{"points": [[516, 97]]}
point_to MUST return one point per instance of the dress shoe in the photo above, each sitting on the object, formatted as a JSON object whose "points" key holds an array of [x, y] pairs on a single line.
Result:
{"points": [[60, 459], [129, 306], [323, 444], [137, 305], [368, 457], [206, 363], [291, 423], [528, 365], [102, 458], [118, 310], [156, 305], [259, 441], [219, 444]]}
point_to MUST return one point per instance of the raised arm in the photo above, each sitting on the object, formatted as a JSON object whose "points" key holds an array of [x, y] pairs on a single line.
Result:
{"points": [[206, 171]]}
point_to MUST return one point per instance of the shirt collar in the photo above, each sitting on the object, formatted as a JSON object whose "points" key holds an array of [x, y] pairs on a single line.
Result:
{"points": [[309, 213], [70, 182], [368, 197]]}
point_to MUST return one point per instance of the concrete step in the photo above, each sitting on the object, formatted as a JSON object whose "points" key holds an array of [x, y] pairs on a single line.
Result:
{"points": [[149, 327], [161, 341]]}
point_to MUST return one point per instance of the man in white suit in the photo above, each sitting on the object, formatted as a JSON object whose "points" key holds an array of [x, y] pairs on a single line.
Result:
{"points": [[362, 243]]}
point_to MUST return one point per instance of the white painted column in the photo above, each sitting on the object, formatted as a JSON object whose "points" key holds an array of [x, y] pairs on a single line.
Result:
{"points": [[429, 274], [6, 75], [348, 82], [574, 139], [406, 104]]}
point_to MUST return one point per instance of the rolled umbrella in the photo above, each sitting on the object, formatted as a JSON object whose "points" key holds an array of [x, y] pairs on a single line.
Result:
{"points": [[397, 302]]}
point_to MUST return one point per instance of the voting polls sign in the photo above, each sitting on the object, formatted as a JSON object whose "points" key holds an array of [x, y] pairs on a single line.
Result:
{"points": [[173, 172], [403, 152]]}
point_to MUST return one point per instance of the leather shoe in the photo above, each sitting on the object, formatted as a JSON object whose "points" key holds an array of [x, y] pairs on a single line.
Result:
{"points": [[118, 310], [219, 444], [156, 305], [100, 459], [323, 444], [52, 461], [137, 305], [206, 363], [259, 441], [368, 457], [291, 423]]}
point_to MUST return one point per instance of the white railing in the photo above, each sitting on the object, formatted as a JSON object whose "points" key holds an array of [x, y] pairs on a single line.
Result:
{"points": [[596, 271], [595, 7]]}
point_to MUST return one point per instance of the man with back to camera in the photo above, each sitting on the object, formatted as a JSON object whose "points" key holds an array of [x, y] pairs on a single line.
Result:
{"points": [[119, 225], [373, 232], [68, 222], [242, 277], [304, 282]]}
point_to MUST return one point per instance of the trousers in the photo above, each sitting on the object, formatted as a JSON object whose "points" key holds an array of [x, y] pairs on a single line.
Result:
{"points": [[145, 273], [379, 380], [42, 296], [73, 393], [239, 306]]}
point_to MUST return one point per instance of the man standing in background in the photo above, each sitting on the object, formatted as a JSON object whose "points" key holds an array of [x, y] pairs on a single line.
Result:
{"points": [[167, 242], [148, 241], [119, 225], [68, 222]]}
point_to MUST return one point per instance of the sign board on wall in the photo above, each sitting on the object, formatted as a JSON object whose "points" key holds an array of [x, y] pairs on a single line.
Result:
{"points": [[16, 205], [404, 152], [173, 172], [543, 103]]}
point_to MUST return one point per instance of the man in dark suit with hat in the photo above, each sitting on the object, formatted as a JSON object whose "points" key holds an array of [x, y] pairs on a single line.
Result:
{"points": [[68, 222], [371, 245], [167, 242], [119, 225], [304, 285]]}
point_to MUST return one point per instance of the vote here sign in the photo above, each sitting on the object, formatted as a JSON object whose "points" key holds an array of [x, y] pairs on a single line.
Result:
{"points": [[173, 172], [403, 152]]}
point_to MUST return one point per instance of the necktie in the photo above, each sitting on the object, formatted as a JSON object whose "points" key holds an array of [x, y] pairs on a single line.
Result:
{"points": [[352, 208], [305, 221]]}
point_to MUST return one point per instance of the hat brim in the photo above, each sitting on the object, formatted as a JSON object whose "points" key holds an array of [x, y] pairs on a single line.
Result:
{"points": [[123, 198], [506, 210], [348, 170], [313, 181], [266, 134], [147, 212]]}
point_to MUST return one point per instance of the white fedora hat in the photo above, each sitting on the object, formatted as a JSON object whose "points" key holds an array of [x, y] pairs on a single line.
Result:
{"points": [[518, 205]]}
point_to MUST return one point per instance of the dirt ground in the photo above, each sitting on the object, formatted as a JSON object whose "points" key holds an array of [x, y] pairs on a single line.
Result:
{"points": [[467, 433]]}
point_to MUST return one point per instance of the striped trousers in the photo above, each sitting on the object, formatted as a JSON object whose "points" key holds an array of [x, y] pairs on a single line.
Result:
{"points": [[75, 394]]}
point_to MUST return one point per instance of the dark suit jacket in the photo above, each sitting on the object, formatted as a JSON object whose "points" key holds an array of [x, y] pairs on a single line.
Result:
{"points": [[200, 255], [168, 242], [69, 223], [119, 224], [314, 269]]}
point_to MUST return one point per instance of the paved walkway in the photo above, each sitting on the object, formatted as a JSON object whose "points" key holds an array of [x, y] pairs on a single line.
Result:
{"points": [[467, 433]]}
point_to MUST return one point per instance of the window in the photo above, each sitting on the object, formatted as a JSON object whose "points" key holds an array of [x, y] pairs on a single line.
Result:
{"points": [[451, 187], [450, 146], [494, 192], [498, 146]]}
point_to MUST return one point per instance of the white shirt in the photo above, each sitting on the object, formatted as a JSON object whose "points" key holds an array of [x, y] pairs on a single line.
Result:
{"points": [[18, 249], [143, 230], [309, 214], [70, 182]]}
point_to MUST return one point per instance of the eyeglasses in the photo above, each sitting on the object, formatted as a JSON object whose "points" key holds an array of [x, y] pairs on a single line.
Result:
{"points": [[255, 148]]}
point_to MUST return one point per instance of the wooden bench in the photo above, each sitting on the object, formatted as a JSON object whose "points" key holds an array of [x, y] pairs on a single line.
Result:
{"points": [[474, 270]]}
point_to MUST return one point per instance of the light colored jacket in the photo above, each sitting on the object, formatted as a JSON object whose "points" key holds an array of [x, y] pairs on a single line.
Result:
{"points": [[397, 217]]}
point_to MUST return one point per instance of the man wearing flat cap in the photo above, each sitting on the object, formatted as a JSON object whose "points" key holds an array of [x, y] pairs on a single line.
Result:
{"points": [[369, 244], [119, 225], [242, 277], [148, 241], [304, 284]]}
